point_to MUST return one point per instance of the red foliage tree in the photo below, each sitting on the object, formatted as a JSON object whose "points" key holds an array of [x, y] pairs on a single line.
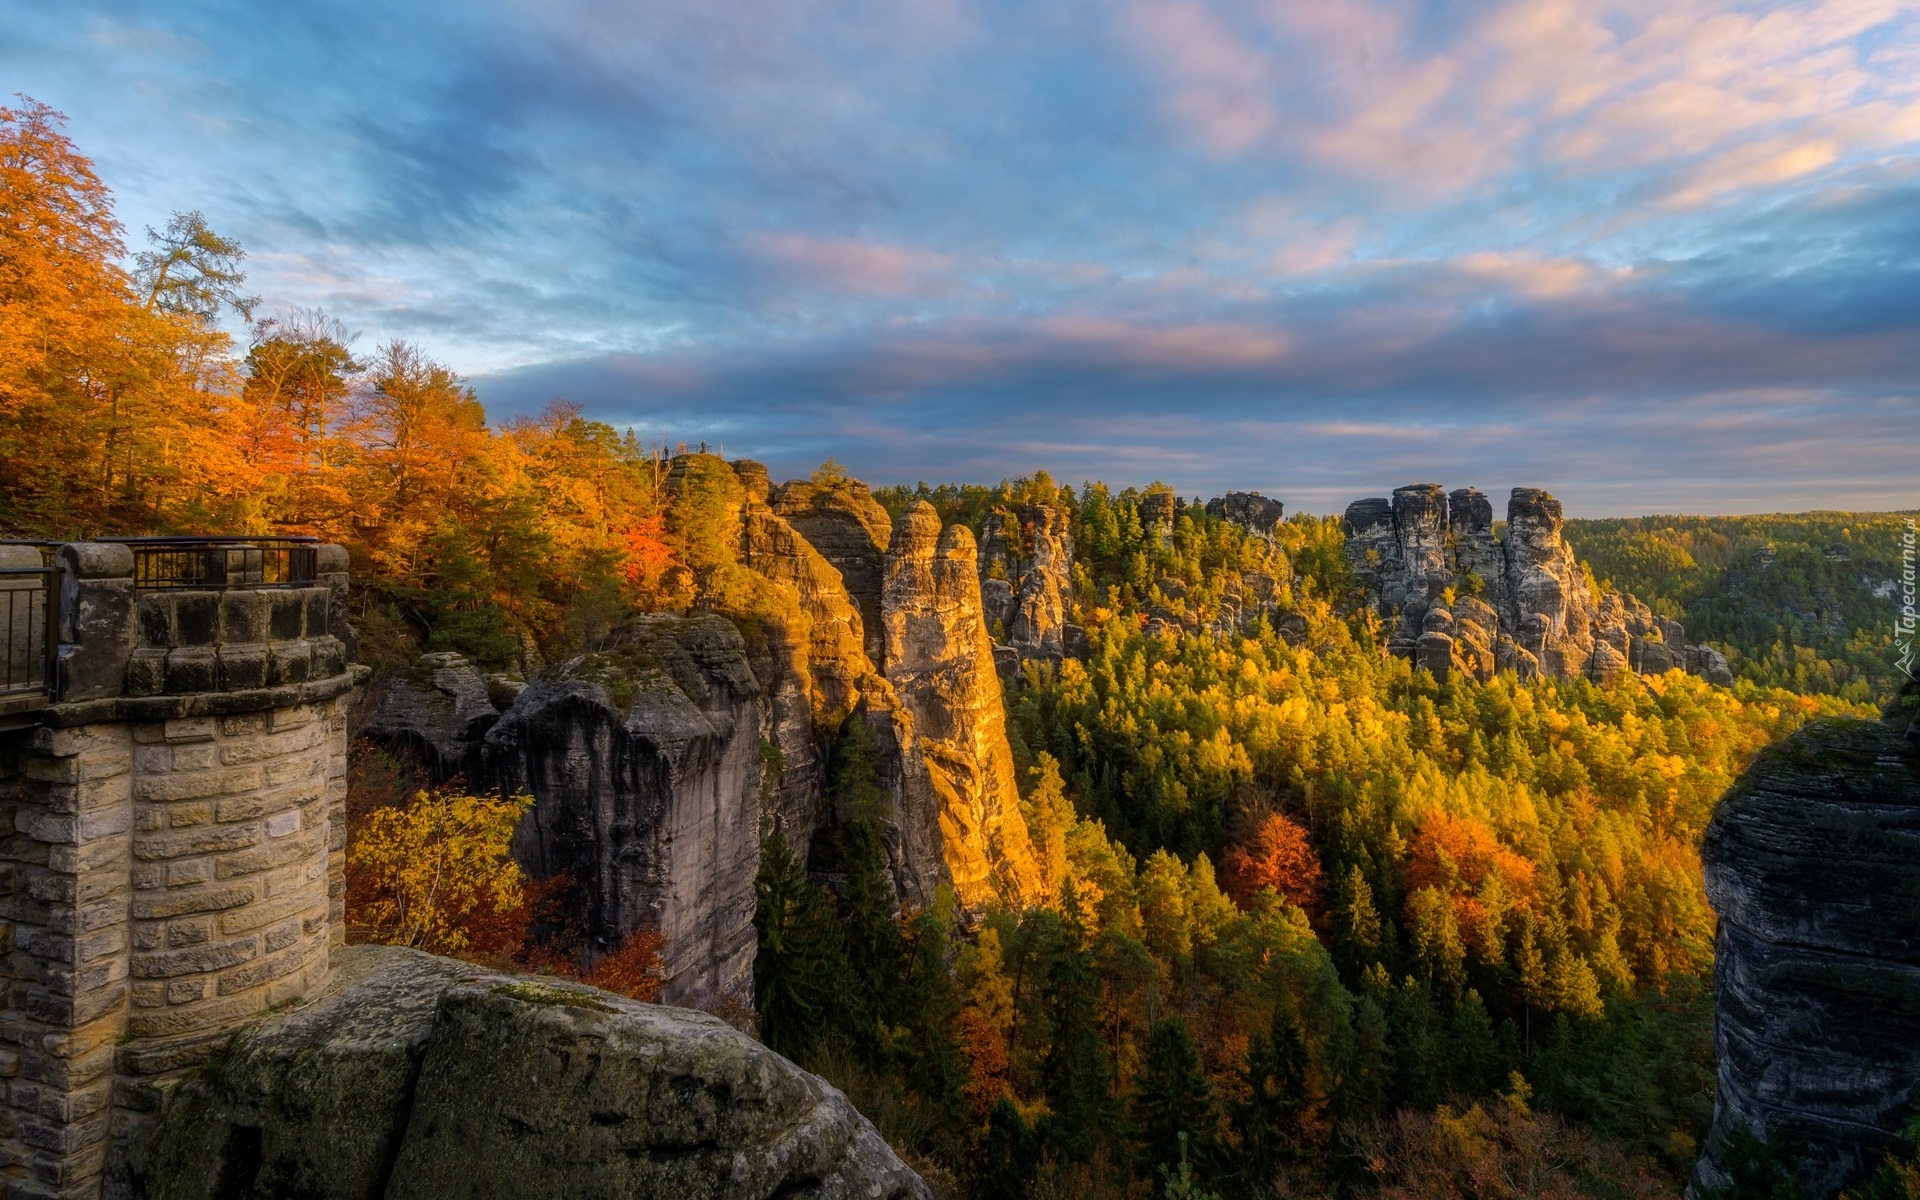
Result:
{"points": [[1277, 856]]}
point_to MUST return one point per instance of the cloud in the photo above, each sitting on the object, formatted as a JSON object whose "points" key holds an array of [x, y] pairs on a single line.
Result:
{"points": [[1651, 248]]}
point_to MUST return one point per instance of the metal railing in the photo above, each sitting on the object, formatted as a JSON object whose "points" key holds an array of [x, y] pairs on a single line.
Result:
{"points": [[28, 644], [217, 563]]}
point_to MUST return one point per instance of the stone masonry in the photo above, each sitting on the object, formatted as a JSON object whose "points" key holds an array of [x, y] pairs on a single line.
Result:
{"points": [[172, 840]]}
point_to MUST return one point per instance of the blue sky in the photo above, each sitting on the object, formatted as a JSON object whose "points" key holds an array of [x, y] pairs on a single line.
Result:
{"points": [[1654, 256]]}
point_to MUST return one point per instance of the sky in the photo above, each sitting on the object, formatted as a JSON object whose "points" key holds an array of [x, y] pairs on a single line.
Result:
{"points": [[1653, 255]]}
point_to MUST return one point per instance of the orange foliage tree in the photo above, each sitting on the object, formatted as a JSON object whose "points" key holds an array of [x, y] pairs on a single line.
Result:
{"points": [[1277, 856]]}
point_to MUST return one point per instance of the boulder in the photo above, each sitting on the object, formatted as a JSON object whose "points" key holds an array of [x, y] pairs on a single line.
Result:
{"points": [[423, 1078], [1812, 862], [440, 708]]}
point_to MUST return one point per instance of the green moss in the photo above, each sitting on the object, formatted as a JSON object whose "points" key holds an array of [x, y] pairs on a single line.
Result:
{"points": [[528, 992]]}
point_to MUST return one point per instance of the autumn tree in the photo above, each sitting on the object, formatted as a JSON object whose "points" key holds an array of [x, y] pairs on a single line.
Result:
{"points": [[1277, 856]]}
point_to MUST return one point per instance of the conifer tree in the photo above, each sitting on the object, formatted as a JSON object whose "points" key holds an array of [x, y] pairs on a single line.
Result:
{"points": [[1174, 1099], [800, 972]]}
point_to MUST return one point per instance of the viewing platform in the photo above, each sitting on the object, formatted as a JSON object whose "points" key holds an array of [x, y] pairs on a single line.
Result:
{"points": [[172, 821]]}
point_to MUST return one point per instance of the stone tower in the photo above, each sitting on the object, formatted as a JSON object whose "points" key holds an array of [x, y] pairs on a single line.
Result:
{"points": [[172, 791]]}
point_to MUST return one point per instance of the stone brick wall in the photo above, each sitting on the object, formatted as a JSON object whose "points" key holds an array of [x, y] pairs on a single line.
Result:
{"points": [[171, 865]]}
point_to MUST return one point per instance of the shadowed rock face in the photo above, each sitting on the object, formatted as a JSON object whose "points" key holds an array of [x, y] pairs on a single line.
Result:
{"points": [[1813, 864], [644, 764], [940, 661], [441, 708], [1026, 579], [1522, 604], [425, 1078]]}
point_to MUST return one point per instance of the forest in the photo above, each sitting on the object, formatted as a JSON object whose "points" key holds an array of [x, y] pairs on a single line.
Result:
{"points": [[1313, 923]]}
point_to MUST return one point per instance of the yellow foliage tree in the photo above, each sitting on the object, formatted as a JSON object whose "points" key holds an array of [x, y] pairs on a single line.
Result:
{"points": [[436, 875]]}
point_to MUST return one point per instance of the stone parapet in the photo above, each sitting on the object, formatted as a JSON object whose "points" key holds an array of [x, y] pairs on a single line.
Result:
{"points": [[172, 837]]}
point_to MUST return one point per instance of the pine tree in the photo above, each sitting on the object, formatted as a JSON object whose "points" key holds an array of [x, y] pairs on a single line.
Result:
{"points": [[1268, 1121], [1074, 1071], [800, 972], [1174, 1099]]}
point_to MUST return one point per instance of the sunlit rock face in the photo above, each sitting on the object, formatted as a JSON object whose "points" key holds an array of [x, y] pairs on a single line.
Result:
{"points": [[940, 661], [1249, 510], [1813, 864], [1026, 580], [644, 762], [850, 529], [1430, 562]]}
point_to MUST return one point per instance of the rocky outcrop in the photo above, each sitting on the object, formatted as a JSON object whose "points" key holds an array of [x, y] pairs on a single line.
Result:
{"points": [[424, 1077], [644, 761], [1158, 511], [1249, 510], [440, 709], [1813, 864], [1026, 580], [1457, 598], [940, 662], [850, 529]]}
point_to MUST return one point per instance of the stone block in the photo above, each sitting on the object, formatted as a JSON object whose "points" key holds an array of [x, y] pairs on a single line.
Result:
{"points": [[292, 662], [156, 620], [199, 757], [284, 824], [329, 657], [196, 785], [243, 724], [215, 840], [191, 729], [281, 936], [264, 803], [265, 858], [243, 668], [244, 616], [182, 903], [256, 916], [148, 993], [288, 615], [206, 1016], [189, 931], [147, 672], [185, 991], [192, 669], [193, 870], [314, 618], [196, 618], [189, 813], [195, 960], [243, 979]]}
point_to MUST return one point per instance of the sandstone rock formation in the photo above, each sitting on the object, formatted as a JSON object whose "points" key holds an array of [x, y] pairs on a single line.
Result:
{"points": [[940, 661], [1026, 580], [850, 530], [645, 765], [423, 1077], [1158, 511], [441, 708], [1249, 510], [1457, 598], [1813, 864]]}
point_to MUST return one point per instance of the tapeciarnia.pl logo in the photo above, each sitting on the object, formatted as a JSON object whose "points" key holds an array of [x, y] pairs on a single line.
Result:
{"points": [[1903, 625]]}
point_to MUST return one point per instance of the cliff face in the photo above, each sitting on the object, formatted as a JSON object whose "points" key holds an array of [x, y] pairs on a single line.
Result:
{"points": [[1813, 864], [1026, 580], [1522, 604], [940, 661], [850, 530], [645, 767], [428, 1078]]}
